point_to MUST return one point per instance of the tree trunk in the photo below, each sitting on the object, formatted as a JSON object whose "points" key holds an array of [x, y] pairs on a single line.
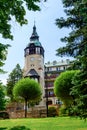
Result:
{"points": [[25, 108]]}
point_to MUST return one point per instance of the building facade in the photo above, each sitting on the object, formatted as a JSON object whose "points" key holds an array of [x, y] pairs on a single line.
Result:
{"points": [[52, 71]]}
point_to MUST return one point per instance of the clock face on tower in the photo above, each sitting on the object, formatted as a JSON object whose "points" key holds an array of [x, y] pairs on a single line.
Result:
{"points": [[32, 58]]}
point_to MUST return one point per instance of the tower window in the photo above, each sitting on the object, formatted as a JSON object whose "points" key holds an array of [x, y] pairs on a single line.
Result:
{"points": [[32, 50], [37, 50], [32, 65], [26, 52]]}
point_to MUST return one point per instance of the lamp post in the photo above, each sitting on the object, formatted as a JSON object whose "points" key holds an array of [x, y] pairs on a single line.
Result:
{"points": [[46, 94]]}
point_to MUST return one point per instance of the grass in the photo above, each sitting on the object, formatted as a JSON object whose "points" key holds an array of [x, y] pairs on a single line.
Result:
{"points": [[59, 123]]}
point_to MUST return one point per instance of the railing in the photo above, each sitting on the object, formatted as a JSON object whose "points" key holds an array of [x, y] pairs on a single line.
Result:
{"points": [[49, 95], [49, 86]]}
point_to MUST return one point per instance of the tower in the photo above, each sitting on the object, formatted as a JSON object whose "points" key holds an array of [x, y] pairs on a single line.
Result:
{"points": [[34, 60]]}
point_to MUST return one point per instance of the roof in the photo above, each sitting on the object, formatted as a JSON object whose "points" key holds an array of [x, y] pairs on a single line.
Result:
{"points": [[59, 63], [32, 72], [34, 38], [35, 42]]}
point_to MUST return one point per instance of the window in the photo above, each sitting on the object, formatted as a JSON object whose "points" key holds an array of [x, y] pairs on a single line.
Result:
{"points": [[50, 69], [32, 50], [58, 68], [26, 51], [37, 50], [32, 65], [50, 93], [64, 67]]}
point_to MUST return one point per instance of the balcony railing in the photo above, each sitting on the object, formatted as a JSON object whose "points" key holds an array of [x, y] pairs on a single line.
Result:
{"points": [[49, 95], [49, 86]]}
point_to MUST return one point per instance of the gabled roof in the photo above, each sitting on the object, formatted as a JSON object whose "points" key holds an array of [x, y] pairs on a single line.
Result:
{"points": [[32, 72]]}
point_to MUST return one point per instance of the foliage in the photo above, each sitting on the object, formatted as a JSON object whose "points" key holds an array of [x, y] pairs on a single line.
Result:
{"points": [[75, 21], [52, 112], [28, 90], [4, 115], [67, 111], [76, 46], [19, 128], [13, 10], [2, 97], [3, 54], [63, 111], [63, 85], [14, 76], [80, 92]]}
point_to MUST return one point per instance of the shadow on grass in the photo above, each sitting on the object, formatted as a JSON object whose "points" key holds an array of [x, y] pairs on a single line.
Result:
{"points": [[3, 128], [19, 128]]}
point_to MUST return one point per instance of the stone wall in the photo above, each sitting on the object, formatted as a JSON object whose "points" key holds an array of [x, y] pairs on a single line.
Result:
{"points": [[30, 114]]}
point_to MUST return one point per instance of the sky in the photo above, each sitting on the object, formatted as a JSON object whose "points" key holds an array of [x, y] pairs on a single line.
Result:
{"points": [[49, 35]]}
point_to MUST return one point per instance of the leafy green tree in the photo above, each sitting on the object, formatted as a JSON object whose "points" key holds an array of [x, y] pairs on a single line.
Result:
{"points": [[79, 90], [28, 90], [76, 46], [63, 85], [2, 97], [14, 76], [9, 10], [3, 54]]}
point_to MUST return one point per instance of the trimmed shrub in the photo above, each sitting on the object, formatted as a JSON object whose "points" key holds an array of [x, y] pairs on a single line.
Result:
{"points": [[4, 115], [63, 111], [52, 112]]}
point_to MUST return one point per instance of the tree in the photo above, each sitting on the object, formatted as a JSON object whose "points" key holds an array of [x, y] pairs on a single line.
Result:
{"points": [[63, 85], [14, 76], [2, 97], [9, 10], [3, 54], [77, 47], [79, 90], [28, 90]]}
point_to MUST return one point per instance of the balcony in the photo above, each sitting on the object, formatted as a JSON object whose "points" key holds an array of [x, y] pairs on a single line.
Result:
{"points": [[49, 86], [49, 95]]}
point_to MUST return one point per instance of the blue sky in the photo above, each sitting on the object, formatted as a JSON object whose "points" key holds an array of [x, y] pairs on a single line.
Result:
{"points": [[49, 35]]}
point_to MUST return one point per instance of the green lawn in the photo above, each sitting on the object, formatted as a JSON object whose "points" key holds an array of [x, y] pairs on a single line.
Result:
{"points": [[59, 123]]}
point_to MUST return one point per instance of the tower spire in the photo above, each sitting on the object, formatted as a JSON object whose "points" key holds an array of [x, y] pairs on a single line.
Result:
{"points": [[34, 29], [34, 35], [34, 22]]}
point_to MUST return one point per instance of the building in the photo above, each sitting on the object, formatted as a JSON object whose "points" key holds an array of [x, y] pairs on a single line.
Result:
{"points": [[52, 71], [34, 61], [45, 74]]}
